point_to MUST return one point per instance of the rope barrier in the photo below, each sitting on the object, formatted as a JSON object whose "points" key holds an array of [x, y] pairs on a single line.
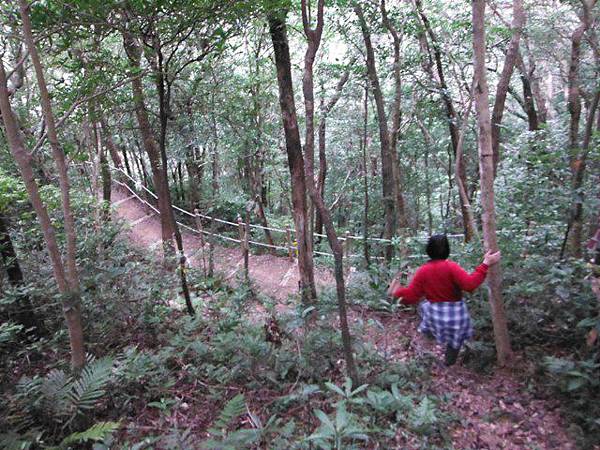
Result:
{"points": [[279, 230]]}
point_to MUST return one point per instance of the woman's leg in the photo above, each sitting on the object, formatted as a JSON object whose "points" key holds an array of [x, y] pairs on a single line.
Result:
{"points": [[451, 355]]}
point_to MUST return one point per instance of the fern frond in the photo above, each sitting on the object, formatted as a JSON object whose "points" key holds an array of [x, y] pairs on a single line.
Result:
{"points": [[233, 409], [89, 387], [54, 392], [17, 441], [97, 432]]}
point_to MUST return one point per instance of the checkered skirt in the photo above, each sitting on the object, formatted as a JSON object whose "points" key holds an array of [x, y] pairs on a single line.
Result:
{"points": [[448, 322]]}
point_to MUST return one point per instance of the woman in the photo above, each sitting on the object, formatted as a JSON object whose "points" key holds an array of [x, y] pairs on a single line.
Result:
{"points": [[444, 313]]}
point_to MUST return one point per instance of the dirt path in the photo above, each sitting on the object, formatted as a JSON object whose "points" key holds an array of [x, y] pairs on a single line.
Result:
{"points": [[277, 276], [495, 411]]}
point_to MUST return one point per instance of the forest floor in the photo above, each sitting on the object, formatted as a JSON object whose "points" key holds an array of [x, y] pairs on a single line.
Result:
{"points": [[495, 411]]}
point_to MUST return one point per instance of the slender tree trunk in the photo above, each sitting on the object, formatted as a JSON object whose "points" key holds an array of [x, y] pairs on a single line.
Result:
{"points": [[387, 175], [278, 31], [71, 307], [133, 51], [127, 163], [72, 302], [471, 227], [575, 228], [444, 91], [112, 148], [401, 219], [313, 37], [365, 145], [321, 133], [164, 97], [486, 169], [428, 193], [528, 104], [577, 155], [507, 70], [106, 180], [25, 315]]}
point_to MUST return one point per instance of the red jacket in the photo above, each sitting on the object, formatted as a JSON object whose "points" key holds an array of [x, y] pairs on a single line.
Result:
{"points": [[441, 280]]}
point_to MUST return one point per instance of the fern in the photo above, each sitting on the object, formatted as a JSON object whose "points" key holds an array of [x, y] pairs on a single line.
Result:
{"points": [[16, 441], [54, 392], [85, 391], [97, 432], [58, 397], [233, 409]]}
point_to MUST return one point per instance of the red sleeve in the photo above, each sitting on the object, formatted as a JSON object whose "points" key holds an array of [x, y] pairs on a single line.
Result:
{"points": [[413, 292], [469, 281]]}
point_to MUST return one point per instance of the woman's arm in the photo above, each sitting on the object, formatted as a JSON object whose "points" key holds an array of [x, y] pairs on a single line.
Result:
{"points": [[410, 294], [471, 281]]}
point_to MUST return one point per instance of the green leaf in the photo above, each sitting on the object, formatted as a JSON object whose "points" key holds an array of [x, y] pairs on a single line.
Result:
{"points": [[325, 420], [97, 432], [334, 388]]}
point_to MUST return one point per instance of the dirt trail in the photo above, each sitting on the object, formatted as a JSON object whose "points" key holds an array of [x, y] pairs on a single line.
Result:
{"points": [[495, 411], [277, 276]]}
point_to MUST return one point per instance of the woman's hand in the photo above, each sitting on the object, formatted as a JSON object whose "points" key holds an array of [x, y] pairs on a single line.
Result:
{"points": [[395, 284], [490, 258]]}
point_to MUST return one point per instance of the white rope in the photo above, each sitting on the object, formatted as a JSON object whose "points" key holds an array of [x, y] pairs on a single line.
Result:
{"points": [[279, 230], [138, 197]]}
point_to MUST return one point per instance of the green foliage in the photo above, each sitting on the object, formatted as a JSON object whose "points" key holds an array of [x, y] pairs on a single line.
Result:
{"points": [[577, 382], [221, 437], [97, 432], [341, 432], [61, 402], [346, 392]]}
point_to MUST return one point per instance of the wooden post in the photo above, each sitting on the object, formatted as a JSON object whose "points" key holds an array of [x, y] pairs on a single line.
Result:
{"points": [[347, 244], [199, 228], [211, 248], [241, 231], [288, 239], [247, 246]]}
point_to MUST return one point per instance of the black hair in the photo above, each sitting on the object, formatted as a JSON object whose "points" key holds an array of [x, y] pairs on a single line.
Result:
{"points": [[438, 247]]}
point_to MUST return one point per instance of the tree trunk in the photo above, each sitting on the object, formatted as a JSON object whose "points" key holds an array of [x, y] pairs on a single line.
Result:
{"points": [[365, 144], [133, 51], [504, 81], [321, 177], [71, 308], [110, 144], [401, 219], [465, 203], [577, 157], [106, 180], [444, 91], [486, 169], [313, 37], [575, 228], [528, 104], [25, 315], [387, 175], [164, 98], [278, 31], [73, 299]]}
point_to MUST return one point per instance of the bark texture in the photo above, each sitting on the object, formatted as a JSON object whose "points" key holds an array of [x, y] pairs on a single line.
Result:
{"points": [[486, 169], [133, 51], [313, 36], [502, 88], [72, 299], [278, 32], [23, 159], [387, 175]]}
